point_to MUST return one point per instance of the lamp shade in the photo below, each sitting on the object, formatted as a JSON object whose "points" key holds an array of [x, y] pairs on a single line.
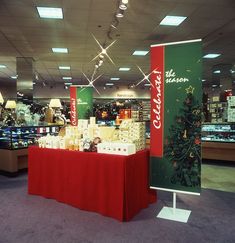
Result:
{"points": [[55, 103], [11, 104], [1, 99]]}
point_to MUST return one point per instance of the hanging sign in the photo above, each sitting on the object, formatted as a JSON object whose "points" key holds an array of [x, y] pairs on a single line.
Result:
{"points": [[176, 93], [81, 103]]}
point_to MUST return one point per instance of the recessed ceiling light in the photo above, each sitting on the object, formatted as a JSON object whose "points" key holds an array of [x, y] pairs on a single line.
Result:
{"points": [[203, 80], [217, 71], [14, 77], [119, 15], [60, 50], [64, 67], [232, 71], [68, 83], [147, 84], [173, 20], [109, 84], [114, 79], [67, 78], [2, 66], [214, 85], [123, 6], [125, 1], [51, 13], [124, 69], [140, 53], [212, 55]]}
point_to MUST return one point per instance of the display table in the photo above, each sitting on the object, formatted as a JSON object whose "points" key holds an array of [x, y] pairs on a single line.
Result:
{"points": [[112, 185]]}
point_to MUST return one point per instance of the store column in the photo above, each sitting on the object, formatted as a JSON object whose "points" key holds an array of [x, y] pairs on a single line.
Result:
{"points": [[25, 76]]}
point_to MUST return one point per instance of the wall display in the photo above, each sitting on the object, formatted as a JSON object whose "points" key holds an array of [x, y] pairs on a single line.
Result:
{"points": [[175, 147], [231, 108], [216, 132], [81, 103]]}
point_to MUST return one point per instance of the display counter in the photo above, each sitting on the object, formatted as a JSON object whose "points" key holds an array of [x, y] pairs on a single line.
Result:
{"points": [[14, 142], [218, 141], [112, 185]]}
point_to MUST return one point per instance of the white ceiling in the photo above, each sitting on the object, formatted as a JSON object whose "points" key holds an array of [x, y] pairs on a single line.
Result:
{"points": [[24, 34]]}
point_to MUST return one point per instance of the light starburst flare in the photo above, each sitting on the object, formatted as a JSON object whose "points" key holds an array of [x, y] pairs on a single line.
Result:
{"points": [[103, 50], [145, 77], [91, 81]]}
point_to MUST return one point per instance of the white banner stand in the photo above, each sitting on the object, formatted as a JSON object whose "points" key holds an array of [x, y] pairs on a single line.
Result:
{"points": [[175, 214]]}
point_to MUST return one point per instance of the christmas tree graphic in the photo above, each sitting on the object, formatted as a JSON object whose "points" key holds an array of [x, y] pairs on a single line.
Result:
{"points": [[182, 146]]}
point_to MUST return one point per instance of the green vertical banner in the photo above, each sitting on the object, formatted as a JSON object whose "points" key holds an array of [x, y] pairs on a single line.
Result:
{"points": [[81, 103], [176, 96]]}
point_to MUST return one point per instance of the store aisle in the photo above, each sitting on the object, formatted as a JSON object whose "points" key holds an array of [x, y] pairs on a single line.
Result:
{"points": [[25, 218], [219, 177]]}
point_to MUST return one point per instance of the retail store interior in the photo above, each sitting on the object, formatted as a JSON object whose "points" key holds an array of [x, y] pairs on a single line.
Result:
{"points": [[98, 55]]}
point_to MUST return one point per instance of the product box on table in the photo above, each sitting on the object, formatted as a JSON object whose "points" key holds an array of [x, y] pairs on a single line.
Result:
{"points": [[116, 148]]}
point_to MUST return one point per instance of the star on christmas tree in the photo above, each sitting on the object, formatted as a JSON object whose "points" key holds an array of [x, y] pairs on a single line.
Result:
{"points": [[190, 90]]}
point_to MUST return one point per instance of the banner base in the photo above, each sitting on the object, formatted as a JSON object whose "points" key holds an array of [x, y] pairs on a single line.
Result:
{"points": [[174, 214]]}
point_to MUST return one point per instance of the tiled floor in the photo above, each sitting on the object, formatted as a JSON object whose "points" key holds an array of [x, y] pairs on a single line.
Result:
{"points": [[219, 177]]}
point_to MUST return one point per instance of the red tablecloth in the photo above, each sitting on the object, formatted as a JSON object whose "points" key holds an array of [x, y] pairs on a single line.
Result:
{"points": [[112, 185]]}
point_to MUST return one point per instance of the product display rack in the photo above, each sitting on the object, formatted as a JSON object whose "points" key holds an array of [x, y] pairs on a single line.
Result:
{"points": [[21, 137], [14, 142], [218, 141]]}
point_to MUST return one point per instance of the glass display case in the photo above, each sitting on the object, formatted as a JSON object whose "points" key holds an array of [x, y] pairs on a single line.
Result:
{"points": [[21, 137], [224, 132]]}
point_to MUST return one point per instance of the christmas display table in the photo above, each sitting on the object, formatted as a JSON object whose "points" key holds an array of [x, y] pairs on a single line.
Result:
{"points": [[112, 185]]}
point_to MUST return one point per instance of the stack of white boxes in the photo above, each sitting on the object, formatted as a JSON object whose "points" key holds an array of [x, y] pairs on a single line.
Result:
{"points": [[124, 131], [231, 108], [132, 132], [92, 129], [137, 133]]}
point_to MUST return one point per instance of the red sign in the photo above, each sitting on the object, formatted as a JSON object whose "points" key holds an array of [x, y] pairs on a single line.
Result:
{"points": [[157, 101], [73, 106]]}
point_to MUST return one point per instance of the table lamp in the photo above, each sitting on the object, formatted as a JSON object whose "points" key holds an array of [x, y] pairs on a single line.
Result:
{"points": [[10, 119], [55, 103], [1, 99], [11, 104]]}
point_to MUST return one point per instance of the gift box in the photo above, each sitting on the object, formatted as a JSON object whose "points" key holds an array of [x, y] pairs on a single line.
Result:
{"points": [[116, 148]]}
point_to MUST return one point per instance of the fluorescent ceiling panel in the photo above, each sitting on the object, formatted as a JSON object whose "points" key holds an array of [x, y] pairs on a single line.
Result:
{"points": [[51, 13], [172, 20], [109, 84], [140, 53], [64, 67], [211, 55], [124, 69], [67, 78], [2, 66], [60, 50], [114, 79]]}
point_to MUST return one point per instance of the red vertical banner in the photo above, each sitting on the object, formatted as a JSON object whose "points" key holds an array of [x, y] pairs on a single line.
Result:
{"points": [[157, 101], [73, 106]]}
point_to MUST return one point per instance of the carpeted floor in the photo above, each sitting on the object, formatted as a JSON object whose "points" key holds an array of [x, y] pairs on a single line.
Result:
{"points": [[27, 219], [219, 176]]}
